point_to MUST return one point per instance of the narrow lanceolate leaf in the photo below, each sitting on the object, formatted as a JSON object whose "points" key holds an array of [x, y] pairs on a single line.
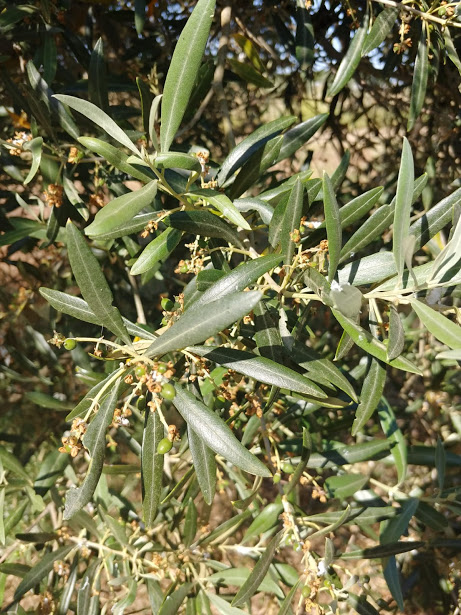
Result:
{"points": [[261, 369], [403, 202], [255, 167], [264, 210], [101, 119], [371, 393], [116, 157], [367, 342], [215, 433], [351, 60], [440, 462], [392, 577], [223, 204], [35, 147], [448, 258], [344, 485], [333, 225], [152, 466], [259, 572], [358, 207], [183, 70], [203, 321], [94, 441], [223, 607], [204, 223], [372, 228], [435, 219], [300, 134], [239, 278], [392, 431], [291, 220], [92, 283], [383, 550], [97, 78], [238, 576], [381, 28], [304, 36], [308, 359], [171, 604], [204, 462], [78, 308], [267, 335], [122, 209], [451, 49], [38, 572], [396, 334], [285, 608], [420, 75], [157, 250], [340, 172], [130, 227], [177, 160], [439, 325], [240, 154]]}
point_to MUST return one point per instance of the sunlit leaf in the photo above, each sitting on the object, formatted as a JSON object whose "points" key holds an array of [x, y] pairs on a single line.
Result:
{"points": [[183, 70], [371, 393], [204, 223], [92, 283], [152, 466], [157, 250], [223, 204], [403, 202], [215, 433], [35, 147], [392, 431], [382, 26], [97, 78], [204, 462], [40, 570], [291, 221], [420, 76], [439, 325]]}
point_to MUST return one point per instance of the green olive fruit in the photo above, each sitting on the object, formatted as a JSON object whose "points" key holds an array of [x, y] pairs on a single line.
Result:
{"points": [[306, 591], [140, 371], [141, 403], [168, 392], [164, 446], [70, 344], [276, 478], [162, 367], [167, 304], [287, 468]]}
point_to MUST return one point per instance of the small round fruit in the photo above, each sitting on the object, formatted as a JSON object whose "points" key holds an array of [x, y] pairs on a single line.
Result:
{"points": [[161, 368], [168, 392], [141, 403], [184, 269], [70, 344], [164, 446], [167, 304], [306, 591], [287, 467], [140, 371], [276, 478]]}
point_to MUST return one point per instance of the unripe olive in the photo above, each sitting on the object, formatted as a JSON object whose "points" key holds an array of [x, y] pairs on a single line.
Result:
{"points": [[183, 269], [168, 392], [167, 304], [164, 446], [306, 591], [140, 371], [70, 344], [141, 403], [162, 367], [276, 478], [287, 468]]}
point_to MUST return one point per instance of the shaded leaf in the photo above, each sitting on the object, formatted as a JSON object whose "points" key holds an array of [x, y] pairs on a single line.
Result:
{"points": [[428, 225], [372, 390], [267, 335], [204, 462], [157, 250], [11, 463], [350, 60], [346, 454], [183, 70], [420, 76], [40, 570], [203, 223], [344, 485], [392, 431], [304, 38], [285, 608], [215, 433], [360, 516], [173, 601], [92, 283], [440, 462], [152, 466], [297, 136], [95, 441], [97, 78], [35, 147], [190, 524], [240, 154], [391, 575], [383, 550], [258, 573], [249, 74], [224, 608], [255, 167], [264, 521]]}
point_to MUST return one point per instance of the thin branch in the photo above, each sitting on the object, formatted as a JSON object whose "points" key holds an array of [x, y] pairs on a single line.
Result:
{"points": [[219, 76], [425, 16]]}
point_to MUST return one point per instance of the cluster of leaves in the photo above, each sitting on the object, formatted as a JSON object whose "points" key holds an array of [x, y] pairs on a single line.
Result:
{"points": [[236, 376]]}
